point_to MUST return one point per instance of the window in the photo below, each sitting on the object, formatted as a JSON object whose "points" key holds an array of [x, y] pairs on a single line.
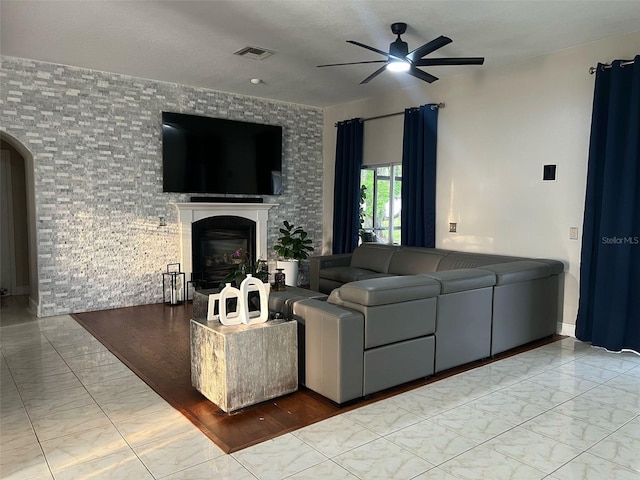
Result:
{"points": [[380, 203]]}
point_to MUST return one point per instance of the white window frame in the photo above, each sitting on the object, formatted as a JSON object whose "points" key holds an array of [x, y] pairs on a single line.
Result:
{"points": [[372, 197]]}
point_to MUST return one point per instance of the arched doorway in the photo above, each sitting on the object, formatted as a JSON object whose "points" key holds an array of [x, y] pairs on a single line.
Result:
{"points": [[19, 271]]}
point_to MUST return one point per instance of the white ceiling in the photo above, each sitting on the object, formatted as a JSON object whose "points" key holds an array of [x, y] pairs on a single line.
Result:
{"points": [[192, 42]]}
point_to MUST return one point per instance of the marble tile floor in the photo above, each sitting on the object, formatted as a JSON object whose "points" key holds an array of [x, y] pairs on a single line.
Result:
{"points": [[564, 411]]}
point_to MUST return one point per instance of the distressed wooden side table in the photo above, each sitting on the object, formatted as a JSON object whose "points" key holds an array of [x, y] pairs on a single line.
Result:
{"points": [[235, 366]]}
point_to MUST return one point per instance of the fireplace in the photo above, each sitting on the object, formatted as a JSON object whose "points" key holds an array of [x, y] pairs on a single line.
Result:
{"points": [[191, 214], [219, 245]]}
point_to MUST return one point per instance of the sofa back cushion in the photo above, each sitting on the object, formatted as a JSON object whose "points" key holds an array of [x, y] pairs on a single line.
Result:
{"points": [[456, 260], [373, 256], [520, 271], [413, 261]]}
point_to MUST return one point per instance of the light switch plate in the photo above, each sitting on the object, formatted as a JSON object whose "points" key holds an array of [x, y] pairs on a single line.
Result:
{"points": [[549, 173], [453, 227]]}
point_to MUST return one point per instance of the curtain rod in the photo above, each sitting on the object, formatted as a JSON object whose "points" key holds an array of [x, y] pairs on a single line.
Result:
{"points": [[593, 70], [433, 107]]}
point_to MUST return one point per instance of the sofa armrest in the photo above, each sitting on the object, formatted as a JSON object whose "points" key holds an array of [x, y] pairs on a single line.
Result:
{"points": [[320, 262], [334, 346], [556, 267]]}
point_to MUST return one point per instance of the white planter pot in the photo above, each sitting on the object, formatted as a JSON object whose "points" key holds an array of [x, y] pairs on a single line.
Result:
{"points": [[290, 268]]}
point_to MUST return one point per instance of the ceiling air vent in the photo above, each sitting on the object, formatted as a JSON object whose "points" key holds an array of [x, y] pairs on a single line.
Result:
{"points": [[256, 53]]}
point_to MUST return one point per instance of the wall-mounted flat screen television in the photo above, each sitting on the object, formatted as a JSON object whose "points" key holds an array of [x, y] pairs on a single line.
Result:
{"points": [[213, 155]]}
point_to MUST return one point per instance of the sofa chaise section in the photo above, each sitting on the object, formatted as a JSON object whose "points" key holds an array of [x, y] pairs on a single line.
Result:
{"points": [[369, 335]]}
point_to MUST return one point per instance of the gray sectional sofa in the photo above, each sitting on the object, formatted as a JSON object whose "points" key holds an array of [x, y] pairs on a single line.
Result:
{"points": [[396, 314]]}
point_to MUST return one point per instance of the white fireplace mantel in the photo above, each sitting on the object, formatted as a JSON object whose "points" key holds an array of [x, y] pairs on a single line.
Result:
{"points": [[192, 212]]}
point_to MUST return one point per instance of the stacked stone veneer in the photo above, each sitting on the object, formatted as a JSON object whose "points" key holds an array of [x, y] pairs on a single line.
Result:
{"points": [[95, 138]]}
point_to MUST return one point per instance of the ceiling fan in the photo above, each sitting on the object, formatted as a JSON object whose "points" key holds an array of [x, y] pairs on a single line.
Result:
{"points": [[399, 58]]}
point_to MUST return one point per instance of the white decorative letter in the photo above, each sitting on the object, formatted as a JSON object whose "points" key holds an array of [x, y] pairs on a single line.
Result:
{"points": [[230, 318], [251, 284], [214, 304]]}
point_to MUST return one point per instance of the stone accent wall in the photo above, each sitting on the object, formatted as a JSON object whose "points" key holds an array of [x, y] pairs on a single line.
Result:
{"points": [[95, 138]]}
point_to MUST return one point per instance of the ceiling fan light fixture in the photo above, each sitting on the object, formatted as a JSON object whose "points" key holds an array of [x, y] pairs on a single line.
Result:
{"points": [[400, 59], [398, 66]]}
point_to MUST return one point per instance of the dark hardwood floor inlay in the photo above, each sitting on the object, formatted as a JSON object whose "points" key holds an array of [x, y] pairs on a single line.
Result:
{"points": [[153, 341]]}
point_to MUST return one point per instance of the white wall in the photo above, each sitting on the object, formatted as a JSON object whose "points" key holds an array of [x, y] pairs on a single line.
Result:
{"points": [[497, 130]]}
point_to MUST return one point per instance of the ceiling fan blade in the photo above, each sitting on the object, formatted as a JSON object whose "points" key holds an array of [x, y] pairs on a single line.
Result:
{"points": [[427, 48], [351, 63], [386, 54], [427, 62], [427, 77], [374, 74]]}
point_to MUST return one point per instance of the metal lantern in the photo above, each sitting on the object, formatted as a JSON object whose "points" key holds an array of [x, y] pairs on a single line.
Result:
{"points": [[173, 285], [280, 281]]}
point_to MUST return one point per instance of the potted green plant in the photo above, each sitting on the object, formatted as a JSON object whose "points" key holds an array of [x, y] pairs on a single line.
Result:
{"points": [[292, 246], [257, 270]]}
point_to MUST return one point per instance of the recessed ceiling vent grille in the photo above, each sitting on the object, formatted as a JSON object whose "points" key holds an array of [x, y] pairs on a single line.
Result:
{"points": [[255, 53]]}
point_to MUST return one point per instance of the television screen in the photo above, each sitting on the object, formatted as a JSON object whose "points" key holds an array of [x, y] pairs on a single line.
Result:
{"points": [[213, 155]]}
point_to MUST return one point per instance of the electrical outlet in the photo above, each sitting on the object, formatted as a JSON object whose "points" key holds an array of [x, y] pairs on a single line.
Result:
{"points": [[453, 227], [573, 233]]}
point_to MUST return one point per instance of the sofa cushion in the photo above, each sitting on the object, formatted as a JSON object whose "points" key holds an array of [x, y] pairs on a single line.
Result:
{"points": [[412, 261], [373, 256], [463, 279], [521, 271], [382, 291]]}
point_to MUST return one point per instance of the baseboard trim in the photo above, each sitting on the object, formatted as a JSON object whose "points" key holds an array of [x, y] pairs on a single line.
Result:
{"points": [[23, 290], [34, 307], [567, 329]]}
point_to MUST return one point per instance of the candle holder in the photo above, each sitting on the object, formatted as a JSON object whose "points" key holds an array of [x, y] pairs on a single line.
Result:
{"points": [[173, 285]]}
